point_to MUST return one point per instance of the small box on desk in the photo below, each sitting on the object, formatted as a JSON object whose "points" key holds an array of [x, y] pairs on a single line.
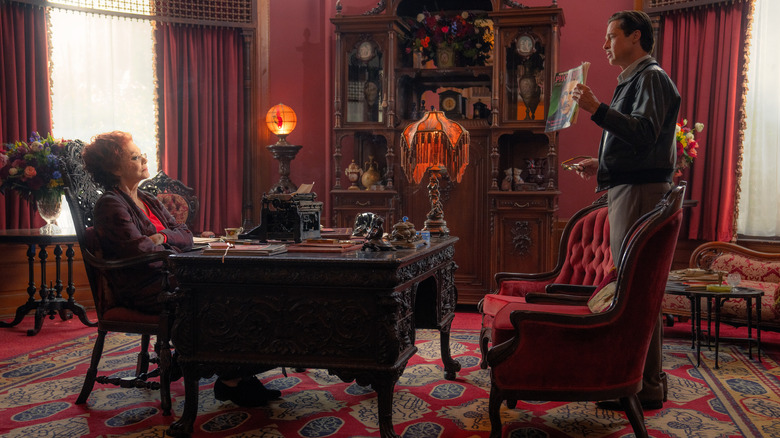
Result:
{"points": [[288, 216]]}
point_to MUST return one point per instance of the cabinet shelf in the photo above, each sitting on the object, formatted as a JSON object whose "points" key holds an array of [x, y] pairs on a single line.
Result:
{"points": [[450, 77]]}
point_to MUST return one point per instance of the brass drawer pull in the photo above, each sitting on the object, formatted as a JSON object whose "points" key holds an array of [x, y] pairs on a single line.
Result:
{"points": [[362, 204], [516, 205]]}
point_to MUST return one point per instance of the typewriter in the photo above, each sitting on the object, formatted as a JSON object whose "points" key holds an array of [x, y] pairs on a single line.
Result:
{"points": [[288, 216]]}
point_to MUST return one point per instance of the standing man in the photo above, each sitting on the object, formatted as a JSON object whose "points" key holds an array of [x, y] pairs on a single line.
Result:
{"points": [[637, 154]]}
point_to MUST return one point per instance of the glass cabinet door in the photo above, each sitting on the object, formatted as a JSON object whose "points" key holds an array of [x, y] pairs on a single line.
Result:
{"points": [[524, 54], [365, 76]]}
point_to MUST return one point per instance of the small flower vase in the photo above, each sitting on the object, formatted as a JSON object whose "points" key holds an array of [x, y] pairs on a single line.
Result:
{"points": [[49, 207], [445, 57], [417, 60]]}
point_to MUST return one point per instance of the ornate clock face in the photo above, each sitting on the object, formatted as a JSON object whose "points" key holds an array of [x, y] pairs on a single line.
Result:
{"points": [[365, 51], [448, 104], [525, 45]]}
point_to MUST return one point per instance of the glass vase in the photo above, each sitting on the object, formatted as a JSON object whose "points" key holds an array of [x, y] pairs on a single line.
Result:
{"points": [[49, 207]]}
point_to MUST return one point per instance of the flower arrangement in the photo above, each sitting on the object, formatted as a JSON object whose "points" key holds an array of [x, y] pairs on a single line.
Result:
{"points": [[687, 146], [32, 168], [470, 35]]}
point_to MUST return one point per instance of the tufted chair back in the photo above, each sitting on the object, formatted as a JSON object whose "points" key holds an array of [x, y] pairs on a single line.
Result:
{"points": [[584, 255], [177, 198]]}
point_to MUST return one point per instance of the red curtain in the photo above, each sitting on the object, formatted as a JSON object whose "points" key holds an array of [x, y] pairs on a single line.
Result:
{"points": [[24, 93], [702, 50], [200, 83]]}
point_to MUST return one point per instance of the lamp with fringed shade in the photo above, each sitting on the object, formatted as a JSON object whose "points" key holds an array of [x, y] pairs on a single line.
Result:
{"points": [[434, 143]]}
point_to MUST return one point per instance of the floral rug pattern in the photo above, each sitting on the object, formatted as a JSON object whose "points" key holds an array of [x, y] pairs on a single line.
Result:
{"points": [[38, 391]]}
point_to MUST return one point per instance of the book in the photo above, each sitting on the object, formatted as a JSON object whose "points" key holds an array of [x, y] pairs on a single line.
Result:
{"points": [[563, 109], [325, 245], [228, 248]]}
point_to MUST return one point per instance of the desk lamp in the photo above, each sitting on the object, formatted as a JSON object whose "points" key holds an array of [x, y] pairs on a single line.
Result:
{"points": [[438, 144], [281, 120]]}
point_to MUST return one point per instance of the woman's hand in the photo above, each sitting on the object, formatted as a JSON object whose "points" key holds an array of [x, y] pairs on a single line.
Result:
{"points": [[157, 239]]}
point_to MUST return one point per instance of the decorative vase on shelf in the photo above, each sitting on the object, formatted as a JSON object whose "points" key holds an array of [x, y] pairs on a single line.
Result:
{"points": [[353, 172], [445, 57], [49, 207], [371, 175], [417, 60]]}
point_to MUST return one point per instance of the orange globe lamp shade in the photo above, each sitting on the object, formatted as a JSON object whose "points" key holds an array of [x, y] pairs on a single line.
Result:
{"points": [[281, 120]]}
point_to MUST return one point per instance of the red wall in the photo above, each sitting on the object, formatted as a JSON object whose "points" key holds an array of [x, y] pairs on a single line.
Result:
{"points": [[301, 76]]}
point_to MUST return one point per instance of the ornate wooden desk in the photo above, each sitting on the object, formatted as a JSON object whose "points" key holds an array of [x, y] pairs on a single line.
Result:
{"points": [[51, 300], [352, 313]]}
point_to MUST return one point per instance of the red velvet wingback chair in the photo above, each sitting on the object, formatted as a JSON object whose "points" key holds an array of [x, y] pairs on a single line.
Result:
{"points": [[584, 258], [566, 353]]}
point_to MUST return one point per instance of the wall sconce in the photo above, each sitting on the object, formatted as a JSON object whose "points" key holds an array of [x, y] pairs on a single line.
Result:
{"points": [[281, 120], [434, 143]]}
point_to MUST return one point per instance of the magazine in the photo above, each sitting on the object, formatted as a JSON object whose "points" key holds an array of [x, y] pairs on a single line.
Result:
{"points": [[563, 109]]}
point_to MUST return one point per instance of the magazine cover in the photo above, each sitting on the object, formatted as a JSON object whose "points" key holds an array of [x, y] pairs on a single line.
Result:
{"points": [[563, 109]]}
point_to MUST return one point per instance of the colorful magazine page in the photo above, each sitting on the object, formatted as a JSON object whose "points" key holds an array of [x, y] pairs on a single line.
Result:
{"points": [[563, 109]]}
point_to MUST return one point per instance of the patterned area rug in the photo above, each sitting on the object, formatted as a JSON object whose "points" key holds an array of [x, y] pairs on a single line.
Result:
{"points": [[38, 391]]}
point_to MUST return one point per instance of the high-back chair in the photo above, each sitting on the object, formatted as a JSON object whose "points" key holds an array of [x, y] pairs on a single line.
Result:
{"points": [[584, 259], [82, 193], [567, 353], [177, 198]]}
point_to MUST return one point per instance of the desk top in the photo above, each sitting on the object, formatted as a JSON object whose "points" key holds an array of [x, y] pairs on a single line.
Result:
{"points": [[376, 258], [34, 236]]}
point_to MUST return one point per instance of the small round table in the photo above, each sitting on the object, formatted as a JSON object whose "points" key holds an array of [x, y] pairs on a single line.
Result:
{"points": [[695, 295], [51, 301]]}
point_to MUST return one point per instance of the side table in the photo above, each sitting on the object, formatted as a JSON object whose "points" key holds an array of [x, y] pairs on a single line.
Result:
{"points": [[718, 298], [51, 300]]}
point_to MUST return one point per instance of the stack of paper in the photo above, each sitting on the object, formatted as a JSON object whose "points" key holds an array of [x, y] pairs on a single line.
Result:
{"points": [[227, 248]]}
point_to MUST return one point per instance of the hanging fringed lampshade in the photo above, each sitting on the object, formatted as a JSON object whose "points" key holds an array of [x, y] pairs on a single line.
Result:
{"points": [[434, 141]]}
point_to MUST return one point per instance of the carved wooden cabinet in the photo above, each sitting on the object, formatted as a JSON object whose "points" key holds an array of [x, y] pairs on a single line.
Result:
{"points": [[506, 205]]}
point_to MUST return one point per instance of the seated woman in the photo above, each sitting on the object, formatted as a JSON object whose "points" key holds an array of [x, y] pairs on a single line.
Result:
{"points": [[130, 222]]}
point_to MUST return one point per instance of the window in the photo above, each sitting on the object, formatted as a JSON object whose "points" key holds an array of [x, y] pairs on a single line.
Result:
{"points": [[102, 72], [759, 202]]}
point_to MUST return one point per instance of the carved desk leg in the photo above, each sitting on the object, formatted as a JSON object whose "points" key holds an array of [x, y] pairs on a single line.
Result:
{"points": [[384, 384], [183, 426], [448, 296], [451, 366]]}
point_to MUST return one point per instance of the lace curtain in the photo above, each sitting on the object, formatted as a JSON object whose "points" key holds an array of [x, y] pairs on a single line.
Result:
{"points": [[102, 71], [759, 199]]}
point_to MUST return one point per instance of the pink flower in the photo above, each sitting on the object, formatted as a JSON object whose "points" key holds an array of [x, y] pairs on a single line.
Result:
{"points": [[29, 172]]}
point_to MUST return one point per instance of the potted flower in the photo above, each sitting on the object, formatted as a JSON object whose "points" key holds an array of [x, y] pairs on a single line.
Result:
{"points": [[34, 170], [687, 146], [466, 38]]}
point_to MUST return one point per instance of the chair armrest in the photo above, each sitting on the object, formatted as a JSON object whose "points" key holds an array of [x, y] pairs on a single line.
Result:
{"points": [[139, 260], [575, 300], [570, 289], [508, 276]]}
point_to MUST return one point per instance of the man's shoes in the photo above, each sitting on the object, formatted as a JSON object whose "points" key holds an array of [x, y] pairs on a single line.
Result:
{"points": [[615, 405], [249, 392]]}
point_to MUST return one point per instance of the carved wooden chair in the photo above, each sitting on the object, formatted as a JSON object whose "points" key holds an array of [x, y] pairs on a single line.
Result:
{"points": [[567, 353], [82, 193], [584, 259], [177, 198]]}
